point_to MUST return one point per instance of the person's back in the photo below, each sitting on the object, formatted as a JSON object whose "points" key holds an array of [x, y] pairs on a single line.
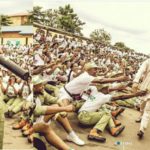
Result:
{"points": [[79, 84]]}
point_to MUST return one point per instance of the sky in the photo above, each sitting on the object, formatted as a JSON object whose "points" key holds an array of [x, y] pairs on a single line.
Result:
{"points": [[127, 21], [15, 6]]}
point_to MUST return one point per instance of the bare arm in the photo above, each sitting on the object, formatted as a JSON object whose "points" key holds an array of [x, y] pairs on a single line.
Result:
{"points": [[110, 80], [57, 109], [126, 96]]}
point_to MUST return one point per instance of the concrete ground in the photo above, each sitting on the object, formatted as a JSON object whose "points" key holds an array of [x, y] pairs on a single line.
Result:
{"points": [[126, 141]]}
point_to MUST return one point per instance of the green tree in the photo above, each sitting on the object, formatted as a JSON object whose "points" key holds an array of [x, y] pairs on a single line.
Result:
{"points": [[5, 20], [69, 21], [37, 15], [101, 36], [121, 46], [48, 17], [62, 18], [51, 18], [29, 19]]}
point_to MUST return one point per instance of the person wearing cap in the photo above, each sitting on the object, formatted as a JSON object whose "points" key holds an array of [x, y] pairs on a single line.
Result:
{"points": [[42, 125], [142, 81], [91, 114], [76, 87]]}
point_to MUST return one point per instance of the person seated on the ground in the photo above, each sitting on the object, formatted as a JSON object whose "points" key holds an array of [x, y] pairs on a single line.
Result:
{"points": [[10, 91], [119, 89], [24, 91], [90, 114], [26, 119], [79, 84], [40, 126]]}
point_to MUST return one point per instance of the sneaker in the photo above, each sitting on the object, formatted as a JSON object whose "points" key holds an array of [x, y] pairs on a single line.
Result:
{"points": [[75, 139]]}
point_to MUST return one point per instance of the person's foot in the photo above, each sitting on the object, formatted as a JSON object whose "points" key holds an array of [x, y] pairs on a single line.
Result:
{"points": [[10, 114], [117, 130], [117, 112], [138, 120], [116, 122], [137, 107], [75, 139], [19, 125], [26, 127], [140, 134], [27, 132], [30, 138], [6, 114], [95, 136]]}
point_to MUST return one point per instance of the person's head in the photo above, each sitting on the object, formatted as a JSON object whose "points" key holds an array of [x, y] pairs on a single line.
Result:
{"points": [[38, 87], [12, 79], [38, 83], [75, 67], [91, 68]]}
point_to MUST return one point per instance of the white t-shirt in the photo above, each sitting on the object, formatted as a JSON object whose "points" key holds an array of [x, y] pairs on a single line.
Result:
{"points": [[11, 92], [26, 91], [80, 83], [94, 101], [38, 60]]}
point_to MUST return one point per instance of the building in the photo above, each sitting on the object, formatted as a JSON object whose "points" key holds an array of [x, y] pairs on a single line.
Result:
{"points": [[19, 19], [16, 35]]}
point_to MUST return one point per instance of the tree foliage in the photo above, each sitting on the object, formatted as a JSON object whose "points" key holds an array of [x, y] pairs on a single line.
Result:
{"points": [[5, 20], [100, 35], [68, 20], [121, 46], [62, 18]]}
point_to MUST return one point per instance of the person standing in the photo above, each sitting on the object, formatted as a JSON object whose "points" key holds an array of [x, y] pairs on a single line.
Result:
{"points": [[142, 81], [1, 118]]}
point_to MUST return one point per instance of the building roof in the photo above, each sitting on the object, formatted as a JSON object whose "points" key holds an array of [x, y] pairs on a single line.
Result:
{"points": [[20, 14], [20, 29]]}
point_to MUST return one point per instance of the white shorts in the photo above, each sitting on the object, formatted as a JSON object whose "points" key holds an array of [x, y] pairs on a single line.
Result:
{"points": [[41, 120], [63, 95]]}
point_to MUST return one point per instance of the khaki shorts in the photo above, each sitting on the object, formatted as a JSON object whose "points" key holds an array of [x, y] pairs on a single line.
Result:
{"points": [[40, 110]]}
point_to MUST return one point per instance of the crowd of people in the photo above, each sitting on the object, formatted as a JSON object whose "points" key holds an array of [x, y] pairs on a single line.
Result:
{"points": [[72, 75]]}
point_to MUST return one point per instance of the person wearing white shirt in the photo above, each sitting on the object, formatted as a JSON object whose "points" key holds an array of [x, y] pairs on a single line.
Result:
{"points": [[143, 75], [76, 87]]}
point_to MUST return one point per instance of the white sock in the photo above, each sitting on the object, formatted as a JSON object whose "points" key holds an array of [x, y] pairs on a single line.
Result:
{"points": [[72, 134]]}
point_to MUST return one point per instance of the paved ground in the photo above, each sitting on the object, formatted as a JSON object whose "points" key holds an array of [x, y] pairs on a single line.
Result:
{"points": [[128, 139]]}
